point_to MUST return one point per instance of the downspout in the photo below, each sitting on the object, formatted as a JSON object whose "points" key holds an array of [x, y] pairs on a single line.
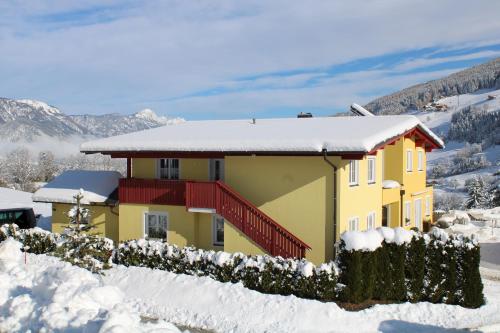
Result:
{"points": [[401, 194], [334, 167]]}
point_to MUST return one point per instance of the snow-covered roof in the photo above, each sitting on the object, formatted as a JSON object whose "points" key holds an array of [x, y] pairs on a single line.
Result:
{"points": [[306, 135], [13, 199], [97, 185]]}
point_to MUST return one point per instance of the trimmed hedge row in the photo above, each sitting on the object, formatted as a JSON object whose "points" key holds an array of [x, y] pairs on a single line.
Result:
{"points": [[272, 275], [414, 267], [434, 267]]}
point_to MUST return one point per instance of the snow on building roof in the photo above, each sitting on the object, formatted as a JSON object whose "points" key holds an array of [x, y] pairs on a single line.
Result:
{"points": [[13, 199], [306, 135], [97, 185], [360, 111]]}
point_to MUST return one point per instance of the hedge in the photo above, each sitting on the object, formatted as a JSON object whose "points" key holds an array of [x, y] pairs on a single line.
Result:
{"points": [[272, 275], [434, 267], [386, 265]]}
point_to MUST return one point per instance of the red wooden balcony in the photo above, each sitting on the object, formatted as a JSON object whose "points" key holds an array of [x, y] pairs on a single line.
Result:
{"points": [[152, 191], [262, 229]]}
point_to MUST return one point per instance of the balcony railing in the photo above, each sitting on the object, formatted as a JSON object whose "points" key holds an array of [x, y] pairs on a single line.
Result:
{"points": [[152, 191], [225, 201]]}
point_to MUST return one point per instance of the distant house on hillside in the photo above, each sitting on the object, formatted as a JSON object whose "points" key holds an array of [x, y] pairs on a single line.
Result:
{"points": [[286, 187]]}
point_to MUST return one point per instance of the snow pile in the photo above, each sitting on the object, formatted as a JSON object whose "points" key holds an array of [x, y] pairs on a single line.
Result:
{"points": [[98, 185], [49, 295], [370, 240], [455, 216], [10, 254], [387, 184]]}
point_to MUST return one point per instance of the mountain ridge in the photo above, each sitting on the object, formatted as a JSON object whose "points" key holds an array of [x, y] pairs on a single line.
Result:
{"points": [[482, 76], [25, 120]]}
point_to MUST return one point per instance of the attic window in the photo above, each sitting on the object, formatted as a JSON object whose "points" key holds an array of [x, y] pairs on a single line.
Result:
{"points": [[353, 172]]}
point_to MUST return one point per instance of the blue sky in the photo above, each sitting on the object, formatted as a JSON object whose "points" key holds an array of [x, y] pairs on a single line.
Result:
{"points": [[226, 59]]}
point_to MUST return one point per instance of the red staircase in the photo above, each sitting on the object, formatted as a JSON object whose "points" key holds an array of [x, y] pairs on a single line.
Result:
{"points": [[250, 220]]}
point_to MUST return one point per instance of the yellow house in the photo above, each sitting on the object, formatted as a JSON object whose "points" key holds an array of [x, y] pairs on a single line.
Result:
{"points": [[100, 196], [285, 187]]}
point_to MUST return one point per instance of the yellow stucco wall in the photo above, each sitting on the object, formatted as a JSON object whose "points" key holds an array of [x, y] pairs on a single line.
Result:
{"points": [[413, 182], [184, 228], [295, 191], [103, 219], [362, 199], [190, 168]]}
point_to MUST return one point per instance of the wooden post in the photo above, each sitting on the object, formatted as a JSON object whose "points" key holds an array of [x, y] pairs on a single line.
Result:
{"points": [[129, 167]]}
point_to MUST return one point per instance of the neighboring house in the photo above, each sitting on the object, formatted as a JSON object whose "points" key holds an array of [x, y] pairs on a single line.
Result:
{"points": [[286, 187], [100, 197]]}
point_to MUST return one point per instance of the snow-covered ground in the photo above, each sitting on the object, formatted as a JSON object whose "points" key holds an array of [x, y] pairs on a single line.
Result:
{"points": [[47, 295], [439, 122], [10, 198], [46, 292]]}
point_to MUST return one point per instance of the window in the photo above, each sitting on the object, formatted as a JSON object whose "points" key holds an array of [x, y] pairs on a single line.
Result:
{"points": [[354, 224], [420, 159], [417, 204], [353, 172], [407, 213], [217, 230], [427, 205], [409, 160], [370, 221], [371, 170], [168, 168], [216, 169], [155, 225]]}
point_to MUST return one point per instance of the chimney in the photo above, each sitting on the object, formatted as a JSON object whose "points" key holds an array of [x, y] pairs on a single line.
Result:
{"points": [[305, 115]]}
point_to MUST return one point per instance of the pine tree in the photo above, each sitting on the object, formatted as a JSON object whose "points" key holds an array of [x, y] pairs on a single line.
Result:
{"points": [[79, 216], [480, 194]]}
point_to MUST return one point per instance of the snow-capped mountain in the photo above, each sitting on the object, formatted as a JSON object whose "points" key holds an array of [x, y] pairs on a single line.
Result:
{"points": [[28, 120]]}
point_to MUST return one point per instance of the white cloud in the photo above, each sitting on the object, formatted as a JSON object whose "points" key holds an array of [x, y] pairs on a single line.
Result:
{"points": [[165, 49]]}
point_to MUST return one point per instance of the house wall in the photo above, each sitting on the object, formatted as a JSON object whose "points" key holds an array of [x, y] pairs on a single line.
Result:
{"points": [[184, 228], [362, 199], [413, 182], [190, 168], [295, 191], [103, 219]]}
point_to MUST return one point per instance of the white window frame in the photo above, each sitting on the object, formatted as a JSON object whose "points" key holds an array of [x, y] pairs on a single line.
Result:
{"points": [[216, 242], [353, 224], [420, 160], [409, 160], [408, 213], [371, 163], [370, 221], [169, 169], [353, 172], [144, 222], [427, 205]]}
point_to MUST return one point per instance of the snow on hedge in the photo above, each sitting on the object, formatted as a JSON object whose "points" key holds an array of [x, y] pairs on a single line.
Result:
{"points": [[370, 240], [264, 135]]}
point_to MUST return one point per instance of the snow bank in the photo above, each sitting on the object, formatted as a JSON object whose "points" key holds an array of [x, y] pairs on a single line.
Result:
{"points": [[49, 295], [10, 253]]}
